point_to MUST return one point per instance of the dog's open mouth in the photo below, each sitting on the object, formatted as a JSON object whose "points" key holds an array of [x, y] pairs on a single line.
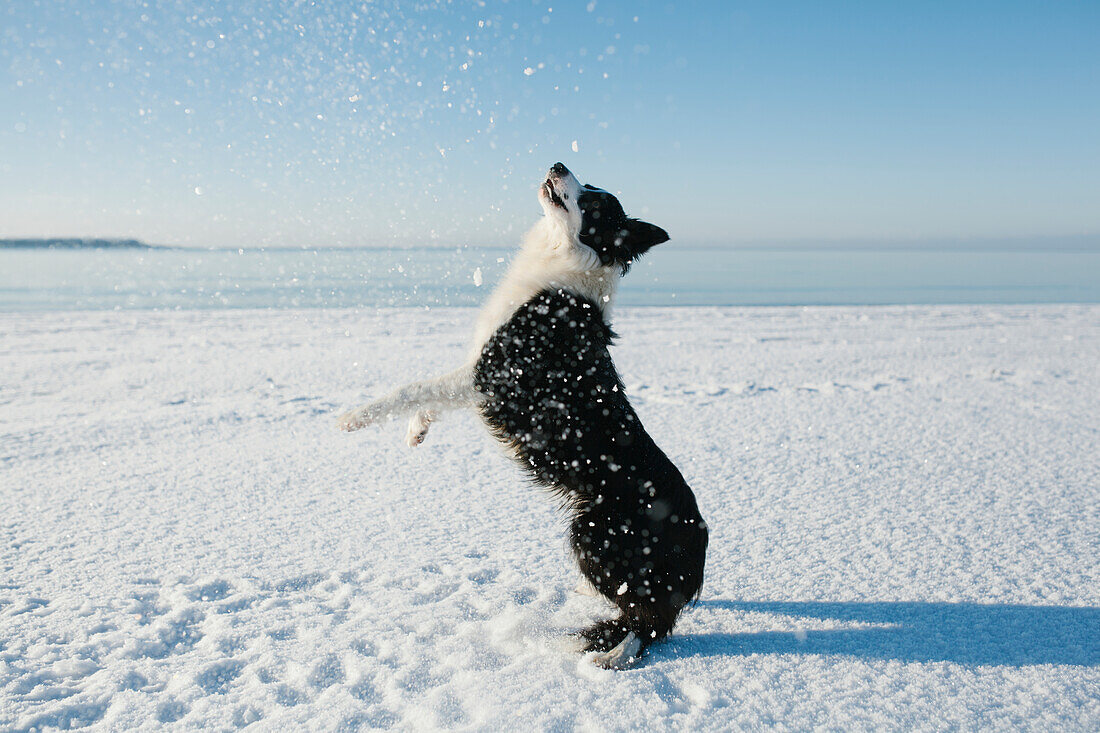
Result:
{"points": [[554, 198]]}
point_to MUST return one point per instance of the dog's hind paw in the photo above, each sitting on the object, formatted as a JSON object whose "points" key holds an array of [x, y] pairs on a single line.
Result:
{"points": [[621, 656], [585, 588]]}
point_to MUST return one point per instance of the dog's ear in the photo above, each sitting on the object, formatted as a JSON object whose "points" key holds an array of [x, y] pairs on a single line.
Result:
{"points": [[637, 237]]}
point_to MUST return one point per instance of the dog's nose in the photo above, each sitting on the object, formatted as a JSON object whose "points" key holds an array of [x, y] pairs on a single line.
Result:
{"points": [[559, 169]]}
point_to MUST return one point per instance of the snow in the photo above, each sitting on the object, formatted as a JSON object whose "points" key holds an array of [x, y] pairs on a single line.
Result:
{"points": [[902, 500]]}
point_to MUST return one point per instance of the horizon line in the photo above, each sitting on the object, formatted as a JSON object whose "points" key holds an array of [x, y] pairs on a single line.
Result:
{"points": [[1087, 242]]}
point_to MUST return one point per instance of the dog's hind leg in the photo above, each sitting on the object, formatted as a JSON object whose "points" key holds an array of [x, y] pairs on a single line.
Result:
{"points": [[430, 396], [605, 635]]}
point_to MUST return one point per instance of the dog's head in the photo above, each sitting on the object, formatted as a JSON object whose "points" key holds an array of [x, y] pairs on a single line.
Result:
{"points": [[594, 218]]}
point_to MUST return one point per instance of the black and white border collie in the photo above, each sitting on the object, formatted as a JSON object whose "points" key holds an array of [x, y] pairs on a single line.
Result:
{"points": [[542, 380]]}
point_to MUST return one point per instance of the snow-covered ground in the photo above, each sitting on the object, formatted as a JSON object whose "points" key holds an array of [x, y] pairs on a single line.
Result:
{"points": [[904, 505]]}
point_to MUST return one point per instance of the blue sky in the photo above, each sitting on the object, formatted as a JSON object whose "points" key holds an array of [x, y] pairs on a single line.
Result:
{"points": [[316, 124]]}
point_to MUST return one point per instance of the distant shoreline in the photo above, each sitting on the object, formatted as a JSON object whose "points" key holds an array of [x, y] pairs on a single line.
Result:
{"points": [[73, 243]]}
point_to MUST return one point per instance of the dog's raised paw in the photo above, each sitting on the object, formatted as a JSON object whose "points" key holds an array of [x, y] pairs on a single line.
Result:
{"points": [[418, 428], [415, 438], [350, 421]]}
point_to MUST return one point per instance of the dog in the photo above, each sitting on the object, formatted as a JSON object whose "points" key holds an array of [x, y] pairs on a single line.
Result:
{"points": [[542, 380]]}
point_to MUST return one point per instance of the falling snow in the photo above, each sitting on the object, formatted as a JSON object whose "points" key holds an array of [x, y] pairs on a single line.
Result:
{"points": [[305, 123]]}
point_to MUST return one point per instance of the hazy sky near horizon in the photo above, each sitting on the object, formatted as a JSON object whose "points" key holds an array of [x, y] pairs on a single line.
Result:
{"points": [[365, 123]]}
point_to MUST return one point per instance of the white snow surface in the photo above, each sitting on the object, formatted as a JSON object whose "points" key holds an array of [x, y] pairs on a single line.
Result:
{"points": [[903, 504]]}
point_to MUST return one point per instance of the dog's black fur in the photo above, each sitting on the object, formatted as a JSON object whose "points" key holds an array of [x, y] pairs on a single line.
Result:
{"points": [[550, 390], [610, 233]]}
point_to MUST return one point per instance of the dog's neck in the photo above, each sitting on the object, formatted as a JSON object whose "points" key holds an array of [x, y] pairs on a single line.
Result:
{"points": [[550, 258]]}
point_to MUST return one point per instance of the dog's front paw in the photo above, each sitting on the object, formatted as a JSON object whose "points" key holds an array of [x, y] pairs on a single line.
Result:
{"points": [[351, 421], [418, 429]]}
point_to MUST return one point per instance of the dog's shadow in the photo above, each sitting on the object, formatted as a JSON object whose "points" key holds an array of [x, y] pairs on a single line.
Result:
{"points": [[964, 633]]}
